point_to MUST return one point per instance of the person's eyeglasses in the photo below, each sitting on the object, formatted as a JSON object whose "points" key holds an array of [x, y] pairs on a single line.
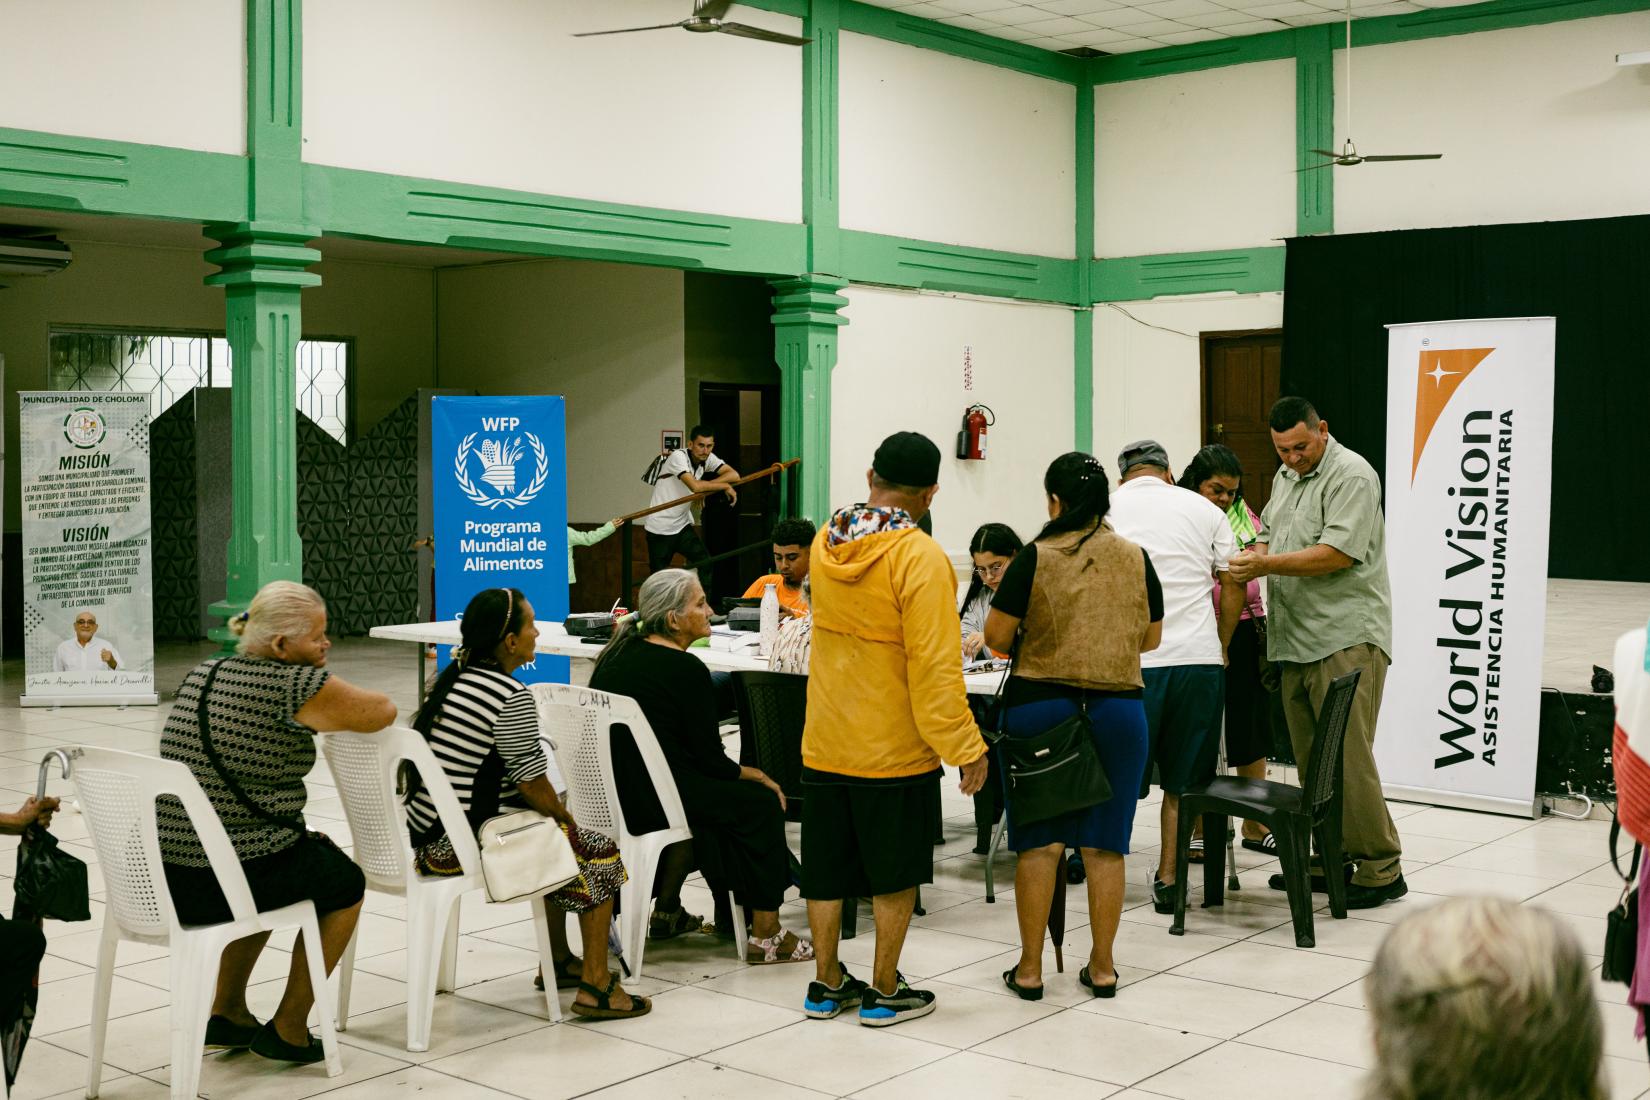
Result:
{"points": [[990, 572], [85, 622]]}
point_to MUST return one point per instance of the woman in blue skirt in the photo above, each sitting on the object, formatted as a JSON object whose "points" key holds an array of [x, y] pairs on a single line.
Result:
{"points": [[1077, 607]]}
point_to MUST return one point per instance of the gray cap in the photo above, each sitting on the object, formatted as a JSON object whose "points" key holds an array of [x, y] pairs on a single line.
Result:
{"points": [[1146, 452]]}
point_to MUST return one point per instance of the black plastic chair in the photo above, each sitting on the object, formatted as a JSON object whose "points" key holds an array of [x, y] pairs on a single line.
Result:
{"points": [[773, 708], [1297, 816]]}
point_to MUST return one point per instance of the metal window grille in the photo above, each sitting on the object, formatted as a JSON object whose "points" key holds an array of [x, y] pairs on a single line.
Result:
{"points": [[167, 365]]}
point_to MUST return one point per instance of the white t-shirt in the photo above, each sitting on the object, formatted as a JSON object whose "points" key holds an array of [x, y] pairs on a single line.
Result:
{"points": [[73, 657], [670, 486], [1189, 541]]}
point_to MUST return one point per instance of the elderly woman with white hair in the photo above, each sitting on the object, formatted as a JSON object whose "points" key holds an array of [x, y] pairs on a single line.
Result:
{"points": [[245, 726], [737, 813], [1483, 999]]}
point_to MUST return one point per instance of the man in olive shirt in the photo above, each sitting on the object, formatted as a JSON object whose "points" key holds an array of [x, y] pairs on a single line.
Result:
{"points": [[1330, 612]]}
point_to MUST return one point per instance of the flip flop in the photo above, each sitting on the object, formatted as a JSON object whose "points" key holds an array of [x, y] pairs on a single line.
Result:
{"points": [[1105, 992], [1266, 845], [1194, 851], [603, 1008]]}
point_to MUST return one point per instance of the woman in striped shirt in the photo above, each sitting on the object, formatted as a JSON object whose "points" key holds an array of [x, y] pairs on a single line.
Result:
{"points": [[482, 725]]}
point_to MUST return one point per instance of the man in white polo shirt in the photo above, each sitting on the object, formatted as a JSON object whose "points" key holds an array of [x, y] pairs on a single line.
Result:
{"points": [[1190, 544], [685, 471], [86, 651]]}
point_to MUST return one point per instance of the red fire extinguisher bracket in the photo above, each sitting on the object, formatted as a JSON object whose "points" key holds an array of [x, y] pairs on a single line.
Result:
{"points": [[971, 440]]}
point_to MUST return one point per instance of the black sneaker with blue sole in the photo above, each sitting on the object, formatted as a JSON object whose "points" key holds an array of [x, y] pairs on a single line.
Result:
{"points": [[877, 1009], [825, 1003]]}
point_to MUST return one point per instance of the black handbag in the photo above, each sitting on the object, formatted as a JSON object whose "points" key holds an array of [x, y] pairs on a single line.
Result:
{"points": [[1621, 924], [50, 882], [1051, 773]]}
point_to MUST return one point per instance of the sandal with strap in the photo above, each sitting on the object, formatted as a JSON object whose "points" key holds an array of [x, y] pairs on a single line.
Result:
{"points": [[667, 926], [567, 974], [764, 951], [1266, 845], [1194, 850], [603, 1008]]}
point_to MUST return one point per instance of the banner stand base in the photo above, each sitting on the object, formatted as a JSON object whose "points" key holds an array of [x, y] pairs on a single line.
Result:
{"points": [[1455, 800], [88, 700]]}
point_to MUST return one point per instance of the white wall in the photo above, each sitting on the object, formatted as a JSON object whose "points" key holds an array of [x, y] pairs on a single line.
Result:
{"points": [[607, 337], [1148, 382], [157, 74], [1196, 161], [939, 148], [899, 368], [1535, 124], [497, 92]]}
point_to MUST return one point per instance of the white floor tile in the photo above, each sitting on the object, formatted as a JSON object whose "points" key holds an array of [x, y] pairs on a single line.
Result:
{"points": [[48, 1069], [1100, 1047], [1329, 1032], [555, 1063], [835, 1056], [457, 1025], [693, 1021], [1466, 882], [1187, 1004], [425, 1084], [700, 1080], [1234, 1069], [969, 1074], [967, 1017], [1291, 972], [244, 1076], [1461, 825]]}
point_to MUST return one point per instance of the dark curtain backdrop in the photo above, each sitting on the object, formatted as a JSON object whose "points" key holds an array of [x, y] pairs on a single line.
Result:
{"points": [[1594, 276]]}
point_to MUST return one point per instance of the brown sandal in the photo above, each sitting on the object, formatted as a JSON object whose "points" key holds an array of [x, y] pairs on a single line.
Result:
{"points": [[603, 1008], [567, 974]]}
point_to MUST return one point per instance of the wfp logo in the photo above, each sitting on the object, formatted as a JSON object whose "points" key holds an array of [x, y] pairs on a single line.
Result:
{"points": [[497, 457]]}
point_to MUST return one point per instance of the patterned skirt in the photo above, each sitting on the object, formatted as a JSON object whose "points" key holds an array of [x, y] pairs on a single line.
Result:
{"points": [[601, 872]]}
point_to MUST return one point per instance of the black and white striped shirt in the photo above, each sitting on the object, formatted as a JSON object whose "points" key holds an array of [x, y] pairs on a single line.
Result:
{"points": [[486, 709]]}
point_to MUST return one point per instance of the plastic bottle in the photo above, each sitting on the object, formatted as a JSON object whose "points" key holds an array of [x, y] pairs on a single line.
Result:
{"points": [[769, 621]]}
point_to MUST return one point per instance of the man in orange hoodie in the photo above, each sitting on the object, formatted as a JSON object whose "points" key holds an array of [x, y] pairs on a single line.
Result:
{"points": [[886, 705]]}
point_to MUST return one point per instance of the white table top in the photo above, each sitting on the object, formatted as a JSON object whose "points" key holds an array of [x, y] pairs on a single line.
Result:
{"points": [[553, 638]]}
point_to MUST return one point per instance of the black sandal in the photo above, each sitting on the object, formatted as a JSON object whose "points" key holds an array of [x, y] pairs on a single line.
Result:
{"points": [[603, 1008], [1025, 992], [567, 974], [1105, 992], [667, 926]]}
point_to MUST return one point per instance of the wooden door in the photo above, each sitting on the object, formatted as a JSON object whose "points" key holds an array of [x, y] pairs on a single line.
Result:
{"points": [[1241, 373]]}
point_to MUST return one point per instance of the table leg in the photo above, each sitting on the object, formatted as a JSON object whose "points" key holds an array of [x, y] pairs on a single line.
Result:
{"points": [[420, 649]]}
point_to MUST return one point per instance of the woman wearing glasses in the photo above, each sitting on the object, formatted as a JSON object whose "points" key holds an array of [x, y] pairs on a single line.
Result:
{"points": [[992, 548]]}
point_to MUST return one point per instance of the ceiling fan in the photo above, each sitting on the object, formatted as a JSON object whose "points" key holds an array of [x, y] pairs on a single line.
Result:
{"points": [[1349, 156], [707, 19]]}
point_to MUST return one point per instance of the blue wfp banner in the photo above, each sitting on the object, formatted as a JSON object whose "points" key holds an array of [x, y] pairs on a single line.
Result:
{"points": [[500, 474]]}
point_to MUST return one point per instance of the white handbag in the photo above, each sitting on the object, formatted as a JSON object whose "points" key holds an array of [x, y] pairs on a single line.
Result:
{"points": [[524, 855]]}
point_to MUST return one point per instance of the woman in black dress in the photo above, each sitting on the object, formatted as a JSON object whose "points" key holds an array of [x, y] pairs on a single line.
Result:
{"points": [[737, 814]]}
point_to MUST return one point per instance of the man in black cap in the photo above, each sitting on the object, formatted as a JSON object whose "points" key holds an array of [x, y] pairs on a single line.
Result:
{"points": [[886, 705], [1190, 544]]}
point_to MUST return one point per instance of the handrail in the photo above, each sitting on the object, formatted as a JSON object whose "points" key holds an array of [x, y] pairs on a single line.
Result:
{"points": [[625, 555], [767, 471]]}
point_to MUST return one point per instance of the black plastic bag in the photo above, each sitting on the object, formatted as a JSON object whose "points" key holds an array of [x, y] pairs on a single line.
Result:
{"points": [[51, 883]]}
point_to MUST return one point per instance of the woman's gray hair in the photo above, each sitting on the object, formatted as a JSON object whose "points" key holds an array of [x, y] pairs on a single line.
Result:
{"points": [[665, 592], [1483, 999], [281, 608]]}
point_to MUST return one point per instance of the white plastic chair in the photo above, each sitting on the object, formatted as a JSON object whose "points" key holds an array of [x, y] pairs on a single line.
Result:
{"points": [[577, 722], [364, 768], [117, 797]]}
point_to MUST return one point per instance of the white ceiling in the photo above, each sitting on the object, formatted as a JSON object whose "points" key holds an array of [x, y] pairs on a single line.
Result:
{"points": [[1124, 26]]}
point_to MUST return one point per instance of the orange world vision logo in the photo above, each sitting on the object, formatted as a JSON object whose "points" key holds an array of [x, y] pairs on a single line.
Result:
{"points": [[1438, 376]]}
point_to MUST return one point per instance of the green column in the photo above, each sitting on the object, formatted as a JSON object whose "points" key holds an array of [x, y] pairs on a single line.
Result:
{"points": [[1082, 318], [1314, 129], [806, 318], [262, 275], [263, 265]]}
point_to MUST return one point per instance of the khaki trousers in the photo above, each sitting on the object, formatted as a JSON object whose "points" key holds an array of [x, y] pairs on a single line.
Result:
{"points": [[1368, 836]]}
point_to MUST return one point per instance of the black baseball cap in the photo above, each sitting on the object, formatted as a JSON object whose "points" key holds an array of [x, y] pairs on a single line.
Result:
{"points": [[1147, 452], [908, 458]]}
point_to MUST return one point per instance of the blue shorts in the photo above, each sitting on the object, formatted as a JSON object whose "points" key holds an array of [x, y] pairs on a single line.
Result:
{"points": [[1184, 708]]}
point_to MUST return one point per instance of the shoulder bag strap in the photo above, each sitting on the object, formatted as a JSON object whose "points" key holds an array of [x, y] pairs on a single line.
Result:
{"points": [[1632, 875], [292, 823]]}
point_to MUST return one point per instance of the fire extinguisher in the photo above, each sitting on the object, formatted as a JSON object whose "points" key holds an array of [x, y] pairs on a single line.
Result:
{"points": [[971, 440]]}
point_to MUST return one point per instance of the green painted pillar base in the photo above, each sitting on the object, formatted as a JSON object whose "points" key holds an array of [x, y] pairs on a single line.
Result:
{"points": [[262, 273], [806, 318]]}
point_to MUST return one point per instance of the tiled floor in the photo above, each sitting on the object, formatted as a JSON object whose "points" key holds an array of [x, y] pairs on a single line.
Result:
{"points": [[1232, 1009]]}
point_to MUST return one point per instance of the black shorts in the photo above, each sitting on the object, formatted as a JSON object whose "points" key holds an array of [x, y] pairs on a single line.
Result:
{"points": [[861, 839], [314, 869]]}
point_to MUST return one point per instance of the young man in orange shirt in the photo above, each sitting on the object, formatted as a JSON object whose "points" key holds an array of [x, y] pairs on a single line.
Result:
{"points": [[792, 539]]}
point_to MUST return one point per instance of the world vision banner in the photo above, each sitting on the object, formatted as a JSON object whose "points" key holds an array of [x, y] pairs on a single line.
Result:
{"points": [[500, 476], [88, 608], [1468, 494]]}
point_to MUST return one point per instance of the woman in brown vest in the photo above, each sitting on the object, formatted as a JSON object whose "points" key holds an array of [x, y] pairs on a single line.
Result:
{"points": [[1078, 606]]}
